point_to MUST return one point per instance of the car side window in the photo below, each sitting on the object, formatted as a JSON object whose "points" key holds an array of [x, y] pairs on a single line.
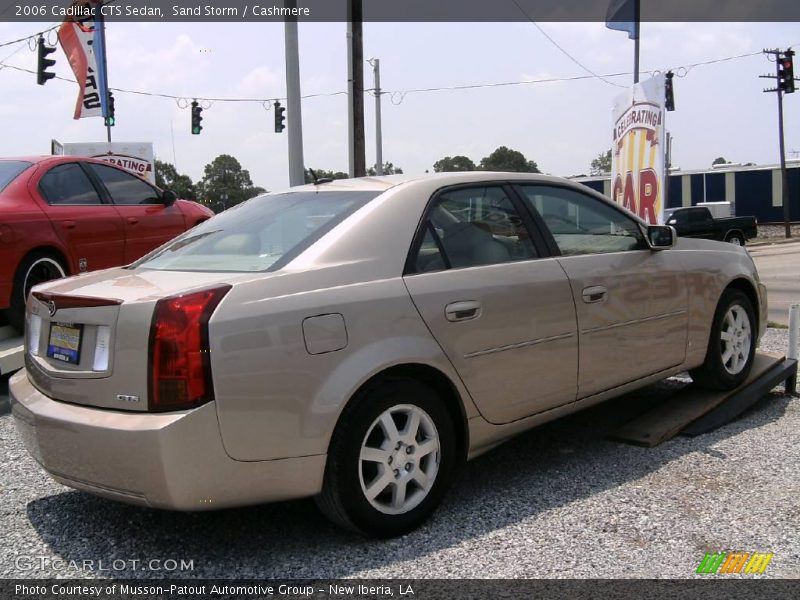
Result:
{"points": [[581, 224], [469, 227], [698, 216], [68, 184], [125, 188]]}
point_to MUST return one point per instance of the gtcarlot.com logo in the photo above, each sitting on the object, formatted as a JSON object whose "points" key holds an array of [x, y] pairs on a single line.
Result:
{"points": [[729, 563], [42, 563]]}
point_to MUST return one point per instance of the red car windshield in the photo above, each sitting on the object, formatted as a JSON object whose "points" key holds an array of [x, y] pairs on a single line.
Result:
{"points": [[9, 169]]}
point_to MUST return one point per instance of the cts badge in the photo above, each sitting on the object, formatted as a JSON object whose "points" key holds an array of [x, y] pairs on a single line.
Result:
{"points": [[127, 398]]}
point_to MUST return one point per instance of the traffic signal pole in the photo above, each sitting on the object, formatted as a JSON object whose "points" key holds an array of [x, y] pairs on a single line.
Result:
{"points": [[784, 76], [294, 116]]}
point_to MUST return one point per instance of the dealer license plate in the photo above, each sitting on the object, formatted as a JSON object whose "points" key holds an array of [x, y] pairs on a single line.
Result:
{"points": [[65, 342]]}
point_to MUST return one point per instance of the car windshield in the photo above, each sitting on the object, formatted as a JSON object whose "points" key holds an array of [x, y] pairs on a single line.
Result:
{"points": [[9, 169], [261, 234]]}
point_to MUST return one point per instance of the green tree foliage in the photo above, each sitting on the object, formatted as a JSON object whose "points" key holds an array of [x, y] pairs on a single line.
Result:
{"points": [[505, 159], [388, 169], [720, 160], [226, 184], [449, 164], [601, 164], [323, 174], [168, 178]]}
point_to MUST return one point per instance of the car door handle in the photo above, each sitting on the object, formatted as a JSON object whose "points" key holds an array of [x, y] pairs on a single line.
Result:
{"points": [[596, 293], [133, 220], [68, 224], [462, 311]]}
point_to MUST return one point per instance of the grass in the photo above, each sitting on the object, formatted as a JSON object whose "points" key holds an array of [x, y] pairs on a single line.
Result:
{"points": [[776, 325]]}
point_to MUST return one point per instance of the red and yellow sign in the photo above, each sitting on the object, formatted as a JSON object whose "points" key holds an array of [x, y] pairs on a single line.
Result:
{"points": [[637, 156]]}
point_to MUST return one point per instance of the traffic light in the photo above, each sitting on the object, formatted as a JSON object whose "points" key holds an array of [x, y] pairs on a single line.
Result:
{"points": [[786, 72], [42, 74], [279, 117], [669, 100], [196, 118], [110, 119]]}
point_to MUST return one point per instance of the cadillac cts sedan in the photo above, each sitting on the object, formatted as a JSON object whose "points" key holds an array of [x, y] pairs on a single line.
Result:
{"points": [[358, 340], [61, 215]]}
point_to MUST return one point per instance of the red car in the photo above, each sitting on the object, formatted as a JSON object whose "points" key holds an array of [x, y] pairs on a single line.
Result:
{"points": [[62, 215]]}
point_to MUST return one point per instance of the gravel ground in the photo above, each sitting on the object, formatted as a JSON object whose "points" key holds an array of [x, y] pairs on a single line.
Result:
{"points": [[775, 232], [560, 501]]}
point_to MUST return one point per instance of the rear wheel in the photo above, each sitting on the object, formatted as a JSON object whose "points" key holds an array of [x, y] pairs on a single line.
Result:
{"points": [[732, 345], [37, 267], [391, 459], [735, 238]]}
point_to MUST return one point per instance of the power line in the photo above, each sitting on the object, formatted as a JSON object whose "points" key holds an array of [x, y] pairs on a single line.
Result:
{"points": [[564, 52], [30, 37], [681, 71]]}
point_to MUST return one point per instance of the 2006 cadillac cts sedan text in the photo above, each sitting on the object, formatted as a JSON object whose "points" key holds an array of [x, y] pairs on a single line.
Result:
{"points": [[359, 340]]}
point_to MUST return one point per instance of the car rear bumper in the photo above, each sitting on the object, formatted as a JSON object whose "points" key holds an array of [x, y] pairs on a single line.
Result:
{"points": [[164, 460]]}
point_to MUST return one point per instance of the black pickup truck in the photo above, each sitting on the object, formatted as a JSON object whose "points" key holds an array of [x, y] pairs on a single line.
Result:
{"points": [[697, 222]]}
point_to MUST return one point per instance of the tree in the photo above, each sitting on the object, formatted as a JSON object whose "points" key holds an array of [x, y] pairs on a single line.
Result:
{"points": [[168, 178], [601, 164], [720, 160], [388, 169], [323, 174], [226, 184], [505, 159], [449, 164]]}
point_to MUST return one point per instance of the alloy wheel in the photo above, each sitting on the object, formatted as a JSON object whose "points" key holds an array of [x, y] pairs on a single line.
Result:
{"points": [[735, 339], [399, 459]]}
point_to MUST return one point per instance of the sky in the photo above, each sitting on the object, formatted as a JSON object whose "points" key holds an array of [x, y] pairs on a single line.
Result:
{"points": [[720, 108]]}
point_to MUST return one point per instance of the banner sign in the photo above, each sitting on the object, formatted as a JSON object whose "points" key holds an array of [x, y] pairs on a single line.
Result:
{"points": [[136, 157], [637, 156], [84, 44]]}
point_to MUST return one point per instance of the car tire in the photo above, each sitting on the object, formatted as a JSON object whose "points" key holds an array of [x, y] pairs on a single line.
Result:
{"points": [[405, 472], [736, 239], [37, 267], [732, 344]]}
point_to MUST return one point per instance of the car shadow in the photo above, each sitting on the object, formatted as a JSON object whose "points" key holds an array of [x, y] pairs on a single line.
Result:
{"points": [[548, 467]]}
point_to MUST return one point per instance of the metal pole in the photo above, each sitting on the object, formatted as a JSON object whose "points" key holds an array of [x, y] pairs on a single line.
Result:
{"points": [[359, 158], [350, 147], [784, 182], [637, 28], [105, 70], [376, 70], [794, 330], [294, 117]]}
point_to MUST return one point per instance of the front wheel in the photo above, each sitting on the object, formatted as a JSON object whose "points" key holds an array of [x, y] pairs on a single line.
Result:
{"points": [[391, 459], [732, 346]]}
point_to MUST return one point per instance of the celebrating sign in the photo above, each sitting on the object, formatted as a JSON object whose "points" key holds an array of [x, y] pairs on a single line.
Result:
{"points": [[637, 171]]}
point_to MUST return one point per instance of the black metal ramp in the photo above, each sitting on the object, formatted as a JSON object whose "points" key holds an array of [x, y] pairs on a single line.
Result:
{"points": [[693, 410]]}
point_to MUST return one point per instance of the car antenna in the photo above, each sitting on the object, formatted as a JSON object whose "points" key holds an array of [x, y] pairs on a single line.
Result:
{"points": [[318, 180]]}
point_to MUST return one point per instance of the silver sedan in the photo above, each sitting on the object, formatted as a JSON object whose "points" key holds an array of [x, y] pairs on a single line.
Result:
{"points": [[358, 340]]}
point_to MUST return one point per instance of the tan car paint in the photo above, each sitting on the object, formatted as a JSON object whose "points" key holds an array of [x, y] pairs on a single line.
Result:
{"points": [[275, 400]]}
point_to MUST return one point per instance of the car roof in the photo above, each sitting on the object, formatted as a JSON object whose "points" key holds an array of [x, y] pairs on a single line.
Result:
{"points": [[382, 183]]}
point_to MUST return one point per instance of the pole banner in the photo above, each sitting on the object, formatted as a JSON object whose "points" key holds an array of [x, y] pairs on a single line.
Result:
{"points": [[82, 42], [637, 157]]}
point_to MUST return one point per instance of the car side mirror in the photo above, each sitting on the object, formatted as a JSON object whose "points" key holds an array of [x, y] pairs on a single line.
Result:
{"points": [[168, 198], [661, 237]]}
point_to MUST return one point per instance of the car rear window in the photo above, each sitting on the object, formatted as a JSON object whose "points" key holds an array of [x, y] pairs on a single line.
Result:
{"points": [[9, 169], [261, 234]]}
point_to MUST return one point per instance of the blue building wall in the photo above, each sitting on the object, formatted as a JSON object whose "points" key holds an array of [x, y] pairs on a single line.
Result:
{"points": [[752, 191]]}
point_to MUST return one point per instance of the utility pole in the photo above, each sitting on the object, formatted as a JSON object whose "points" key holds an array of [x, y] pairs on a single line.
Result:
{"points": [[294, 115], [376, 72], [784, 77], [356, 87]]}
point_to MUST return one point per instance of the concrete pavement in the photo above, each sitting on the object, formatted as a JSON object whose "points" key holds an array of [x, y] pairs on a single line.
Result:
{"points": [[779, 268]]}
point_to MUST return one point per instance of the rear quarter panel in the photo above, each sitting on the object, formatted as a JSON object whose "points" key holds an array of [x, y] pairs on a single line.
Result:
{"points": [[23, 227], [274, 399]]}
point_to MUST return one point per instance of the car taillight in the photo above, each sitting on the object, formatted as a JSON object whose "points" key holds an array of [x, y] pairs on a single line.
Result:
{"points": [[180, 365]]}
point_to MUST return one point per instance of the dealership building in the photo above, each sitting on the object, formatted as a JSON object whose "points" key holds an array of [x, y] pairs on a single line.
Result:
{"points": [[751, 189]]}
